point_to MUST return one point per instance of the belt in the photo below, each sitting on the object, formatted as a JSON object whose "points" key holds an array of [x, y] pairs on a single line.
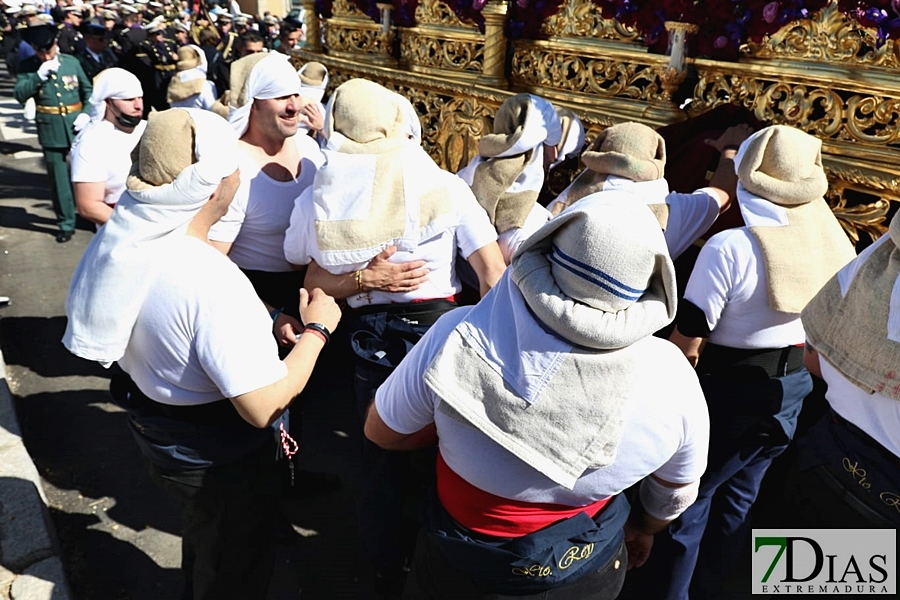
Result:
{"points": [[59, 110], [164, 67], [753, 363], [429, 310], [129, 396]]}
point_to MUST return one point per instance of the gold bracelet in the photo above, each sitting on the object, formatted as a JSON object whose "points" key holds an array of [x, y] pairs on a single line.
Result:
{"points": [[359, 284]]}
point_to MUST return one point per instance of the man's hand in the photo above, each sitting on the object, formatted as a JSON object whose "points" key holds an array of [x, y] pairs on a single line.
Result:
{"points": [[381, 274], [319, 307], [47, 67], [286, 329], [638, 544], [733, 136], [314, 116]]}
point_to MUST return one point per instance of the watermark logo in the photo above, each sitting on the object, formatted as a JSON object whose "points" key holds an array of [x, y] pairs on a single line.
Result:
{"points": [[850, 562]]}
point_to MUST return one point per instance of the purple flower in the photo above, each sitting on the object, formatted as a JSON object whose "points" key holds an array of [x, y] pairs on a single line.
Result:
{"points": [[478, 4], [895, 4], [522, 3], [720, 42], [770, 12]]}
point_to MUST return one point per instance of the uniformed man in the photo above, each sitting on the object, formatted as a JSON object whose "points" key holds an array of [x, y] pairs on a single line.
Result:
{"points": [[61, 90], [131, 34], [226, 45], [96, 55], [158, 57], [70, 39]]}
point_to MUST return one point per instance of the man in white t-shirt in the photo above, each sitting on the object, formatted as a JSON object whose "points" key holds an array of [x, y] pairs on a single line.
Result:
{"points": [[548, 399], [380, 191], [203, 385], [277, 165], [632, 157], [101, 153], [739, 325], [852, 328]]}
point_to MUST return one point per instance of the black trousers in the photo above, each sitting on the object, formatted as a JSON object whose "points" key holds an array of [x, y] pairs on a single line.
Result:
{"points": [[228, 549]]}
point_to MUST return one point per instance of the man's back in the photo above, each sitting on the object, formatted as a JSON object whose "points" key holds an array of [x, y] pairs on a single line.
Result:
{"points": [[202, 333]]}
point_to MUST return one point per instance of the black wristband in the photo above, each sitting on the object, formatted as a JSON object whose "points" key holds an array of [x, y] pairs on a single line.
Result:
{"points": [[321, 329]]}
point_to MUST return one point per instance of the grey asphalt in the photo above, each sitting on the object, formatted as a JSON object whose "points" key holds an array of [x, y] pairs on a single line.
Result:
{"points": [[87, 487]]}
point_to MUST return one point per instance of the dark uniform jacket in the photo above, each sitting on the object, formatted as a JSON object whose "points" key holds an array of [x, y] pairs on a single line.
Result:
{"points": [[70, 40], [59, 99], [92, 66]]}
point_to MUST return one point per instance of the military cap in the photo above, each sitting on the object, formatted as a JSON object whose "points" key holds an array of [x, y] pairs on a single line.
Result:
{"points": [[41, 37]]}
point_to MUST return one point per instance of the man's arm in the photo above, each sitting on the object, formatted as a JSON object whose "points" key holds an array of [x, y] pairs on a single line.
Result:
{"points": [[690, 346], [262, 407], [27, 85], [660, 503], [489, 266], [811, 360], [380, 274], [379, 433], [724, 179], [89, 201]]}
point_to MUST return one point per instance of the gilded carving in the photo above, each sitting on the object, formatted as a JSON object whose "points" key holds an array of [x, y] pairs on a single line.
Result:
{"points": [[824, 75], [585, 75], [435, 12], [428, 51], [346, 8], [832, 37], [827, 111], [347, 40], [582, 18]]}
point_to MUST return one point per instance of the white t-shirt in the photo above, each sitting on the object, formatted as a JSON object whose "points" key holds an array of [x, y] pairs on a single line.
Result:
{"points": [[103, 153], [511, 239], [202, 333], [877, 415], [261, 211], [666, 432], [469, 230], [728, 284], [690, 215]]}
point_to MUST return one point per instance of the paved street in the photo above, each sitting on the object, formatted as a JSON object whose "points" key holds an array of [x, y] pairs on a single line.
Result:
{"points": [[119, 534]]}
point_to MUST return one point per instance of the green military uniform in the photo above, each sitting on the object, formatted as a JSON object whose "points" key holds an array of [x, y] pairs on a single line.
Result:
{"points": [[59, 100]]}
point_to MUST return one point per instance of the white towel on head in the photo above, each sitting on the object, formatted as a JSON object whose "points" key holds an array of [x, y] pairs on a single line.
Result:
{"points": [[271, 77], [116, 84], [115, 272]]}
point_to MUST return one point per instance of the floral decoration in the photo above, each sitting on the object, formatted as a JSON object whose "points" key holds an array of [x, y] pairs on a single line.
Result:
{"points": [[884, 16], [724, 24], [527, 16]]}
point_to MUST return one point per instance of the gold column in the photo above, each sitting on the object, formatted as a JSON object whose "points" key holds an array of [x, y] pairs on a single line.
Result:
{"points": [[493, 70], [313, 29]]}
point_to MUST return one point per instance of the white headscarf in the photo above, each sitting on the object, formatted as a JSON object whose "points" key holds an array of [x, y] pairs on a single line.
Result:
{"points": [[110, 84], [115, 273], [271, 77]]}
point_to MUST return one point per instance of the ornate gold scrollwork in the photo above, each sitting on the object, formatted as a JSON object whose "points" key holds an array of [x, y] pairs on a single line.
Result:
{"points": [[823, 109], [830, 37], [540, 65], [350, 32], [421, 49], [824, 75], [435, 12], [582, 18]]}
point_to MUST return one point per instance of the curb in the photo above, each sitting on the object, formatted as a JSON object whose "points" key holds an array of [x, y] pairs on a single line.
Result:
{"points": [[30, 563]]}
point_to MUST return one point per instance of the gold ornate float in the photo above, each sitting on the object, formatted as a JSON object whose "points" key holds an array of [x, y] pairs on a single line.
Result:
{"points": [[825, 74]]}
